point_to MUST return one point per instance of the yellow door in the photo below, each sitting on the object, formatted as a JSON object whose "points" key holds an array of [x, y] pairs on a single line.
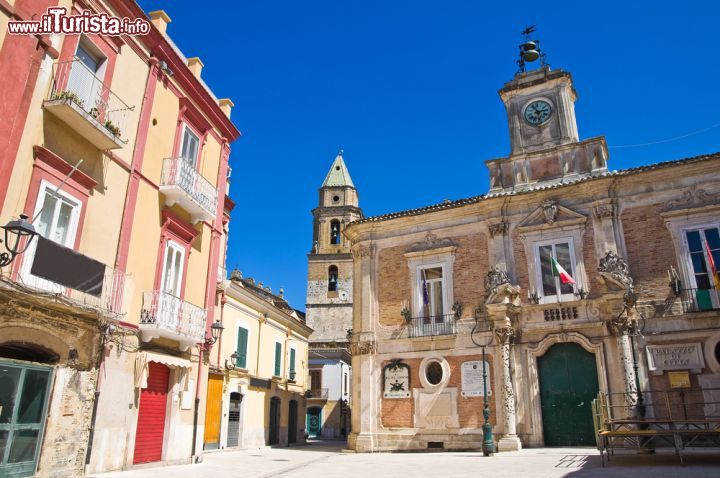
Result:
{"points": [[213, 412]]}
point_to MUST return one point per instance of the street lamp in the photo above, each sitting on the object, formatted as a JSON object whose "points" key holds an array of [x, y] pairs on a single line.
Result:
{"points": [[15, 231], [233, 362], [216, 330], [484, 325]]}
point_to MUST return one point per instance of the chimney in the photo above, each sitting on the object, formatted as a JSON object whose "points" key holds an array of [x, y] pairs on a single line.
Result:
{"points": [[160, 19], [195, 66], [226, 105]]}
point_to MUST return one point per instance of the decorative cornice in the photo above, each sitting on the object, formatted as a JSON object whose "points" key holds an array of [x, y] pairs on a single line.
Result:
{"points": [[693, 198], [359, 252], [362, 348], [603, 211], [431, 242], [58, 164], [498, 229]]}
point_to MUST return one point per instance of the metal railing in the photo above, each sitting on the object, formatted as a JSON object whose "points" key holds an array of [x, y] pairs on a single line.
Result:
{"points": [[112, 298], [170, 313], [181, 173], [432, 325], [74, 82], [698, 300], [321, 393]]}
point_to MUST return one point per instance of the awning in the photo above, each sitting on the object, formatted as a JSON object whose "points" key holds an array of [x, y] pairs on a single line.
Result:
{"points": [[142, 369]]}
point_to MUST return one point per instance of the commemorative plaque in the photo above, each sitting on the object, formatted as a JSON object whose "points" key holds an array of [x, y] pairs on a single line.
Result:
{"points": [[471, 374], [396, 376]]}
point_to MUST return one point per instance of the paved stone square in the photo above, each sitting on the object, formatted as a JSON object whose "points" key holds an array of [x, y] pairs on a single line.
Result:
{"points": [[326, 459]]}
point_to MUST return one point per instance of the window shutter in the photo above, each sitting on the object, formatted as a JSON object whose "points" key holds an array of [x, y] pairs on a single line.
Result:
{"points": [[292, 360], [278, 352], [242, 348]]}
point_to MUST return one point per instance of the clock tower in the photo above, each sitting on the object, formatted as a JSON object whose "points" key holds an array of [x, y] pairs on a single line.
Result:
{"points": [[544, 144]]}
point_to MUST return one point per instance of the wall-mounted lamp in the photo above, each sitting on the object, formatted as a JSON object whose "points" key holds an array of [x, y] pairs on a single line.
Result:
{"points": [[233, 362], [15, 231], [216, 331]]}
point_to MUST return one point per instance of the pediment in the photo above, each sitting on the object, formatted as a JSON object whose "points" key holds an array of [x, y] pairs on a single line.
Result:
{"points": [[550, 214]]}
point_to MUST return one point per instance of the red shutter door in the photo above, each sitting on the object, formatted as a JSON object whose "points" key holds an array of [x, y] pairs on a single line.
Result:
{"points": [[151, 415]]}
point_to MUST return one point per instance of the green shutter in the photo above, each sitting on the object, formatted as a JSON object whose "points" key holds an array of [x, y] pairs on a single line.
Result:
{"points": [[242, 348], [292, 360], [278, 356]]}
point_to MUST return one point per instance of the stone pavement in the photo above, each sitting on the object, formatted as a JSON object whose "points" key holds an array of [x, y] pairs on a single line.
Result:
{"points": [[326, 459]]}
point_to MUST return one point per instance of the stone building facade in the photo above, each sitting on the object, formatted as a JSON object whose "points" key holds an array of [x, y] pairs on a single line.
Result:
{"points": [[330, 303], [435, 284]]}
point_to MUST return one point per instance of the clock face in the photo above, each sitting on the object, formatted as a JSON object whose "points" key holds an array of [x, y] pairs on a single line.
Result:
{"points": [[538, 112]]}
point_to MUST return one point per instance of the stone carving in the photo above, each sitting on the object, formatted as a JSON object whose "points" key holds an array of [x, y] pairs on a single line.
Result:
{"points": [[617, 268], [693, 197], [550, 210], [362, 348], [494, 279], [457, 308], [359, 252], [431, 242], [498, 229], [604, 210], [505, 334]]}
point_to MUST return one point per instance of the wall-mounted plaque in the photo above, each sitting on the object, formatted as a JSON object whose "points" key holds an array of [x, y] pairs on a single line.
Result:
{"points": [[472, 379], [675, 357], [679, 379], [397, 380]]}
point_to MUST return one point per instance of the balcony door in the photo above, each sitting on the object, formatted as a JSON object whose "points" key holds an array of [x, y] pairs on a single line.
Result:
{"points": [[56, 218], [703, 247], [84, 79], [190, 147], [169, 307]]}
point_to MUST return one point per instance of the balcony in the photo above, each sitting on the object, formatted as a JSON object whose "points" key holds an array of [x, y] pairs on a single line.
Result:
{"points": [[432, 326], [699, 300], [319, 394], [182, 184], [78, 278], [87, 105], [166, 316]]}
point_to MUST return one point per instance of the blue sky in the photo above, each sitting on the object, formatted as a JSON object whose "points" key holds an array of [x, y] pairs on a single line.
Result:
{"points": [[409, 90]]}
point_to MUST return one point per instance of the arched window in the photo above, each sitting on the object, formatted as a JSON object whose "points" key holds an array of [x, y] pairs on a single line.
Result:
{"points": [[332, 278], [334, 231]]}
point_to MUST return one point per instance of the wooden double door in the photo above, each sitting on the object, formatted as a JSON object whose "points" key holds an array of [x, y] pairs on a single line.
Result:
{"points": [[568, 384], [213, 412]]}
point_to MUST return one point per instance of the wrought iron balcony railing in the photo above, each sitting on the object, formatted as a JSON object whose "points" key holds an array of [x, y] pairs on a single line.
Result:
{"points": [[86, 104], [698, 300], [182, 183], [432, 325], [165, 315]]}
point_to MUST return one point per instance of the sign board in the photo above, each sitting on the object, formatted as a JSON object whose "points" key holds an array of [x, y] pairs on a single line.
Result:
{"points": [[396, 378], [472, 379], [259, 383], [679, 379], [675, 357]]}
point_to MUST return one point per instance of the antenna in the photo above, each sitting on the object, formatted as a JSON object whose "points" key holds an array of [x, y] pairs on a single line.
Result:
{"points": [[530, 50]]}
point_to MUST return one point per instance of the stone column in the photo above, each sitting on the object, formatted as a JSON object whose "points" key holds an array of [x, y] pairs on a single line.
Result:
{"points": [[509, 441], [362, 348]]}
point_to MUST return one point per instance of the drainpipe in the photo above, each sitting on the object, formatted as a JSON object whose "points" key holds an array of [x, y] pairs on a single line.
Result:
{"points": [[201, 348], [98, 385]]}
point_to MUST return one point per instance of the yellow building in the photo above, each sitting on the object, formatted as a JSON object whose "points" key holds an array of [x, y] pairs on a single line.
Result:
{"points": [[259, 373], [119, 156]]}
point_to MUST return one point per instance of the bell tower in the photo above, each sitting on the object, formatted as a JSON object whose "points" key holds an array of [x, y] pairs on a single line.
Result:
{"points": [[544, 143], [330, 267]]}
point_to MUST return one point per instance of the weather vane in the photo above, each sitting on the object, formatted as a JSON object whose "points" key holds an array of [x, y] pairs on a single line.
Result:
{"points": [[530, 49]]}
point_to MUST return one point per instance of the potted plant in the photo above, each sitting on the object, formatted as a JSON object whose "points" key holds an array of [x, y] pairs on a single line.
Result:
{"points": [[70, 96], [110, 126]]}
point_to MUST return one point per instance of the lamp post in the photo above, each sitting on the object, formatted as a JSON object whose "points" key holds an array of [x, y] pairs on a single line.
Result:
{"points": [[483, 325], [15, 231]]}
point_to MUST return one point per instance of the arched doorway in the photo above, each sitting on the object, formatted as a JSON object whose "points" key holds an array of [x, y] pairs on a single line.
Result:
{"points": [[292, 422], [24, 397], [314, 419], [274, 432], [233, 437], [568, 384]]}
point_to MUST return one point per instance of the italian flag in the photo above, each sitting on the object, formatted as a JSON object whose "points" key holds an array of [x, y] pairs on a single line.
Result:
{"points": [[558, 270]]}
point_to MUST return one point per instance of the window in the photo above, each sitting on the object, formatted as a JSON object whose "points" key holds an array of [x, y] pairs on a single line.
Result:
{"points": [[431, 290], [434, 373], [242, 343], [703, 249], [278, 358], [332, 278], [292, 364], [335, 232], [173, 268], [315, 380], [550, 287], [190, 146], [57, 216]]}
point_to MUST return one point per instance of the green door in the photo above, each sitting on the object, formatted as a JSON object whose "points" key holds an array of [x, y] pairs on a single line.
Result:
{"points": [[568, 385], [313, 421], [23, 406]]}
